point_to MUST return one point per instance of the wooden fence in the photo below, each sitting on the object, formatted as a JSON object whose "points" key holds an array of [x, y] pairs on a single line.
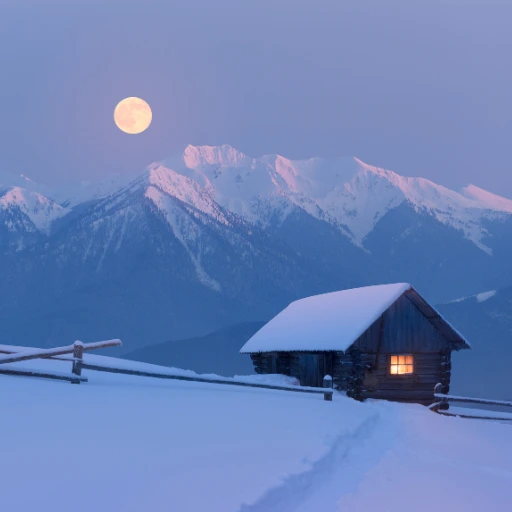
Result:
{"points": [[326, 391], [443, 401], [77, 349], [78, 363]]}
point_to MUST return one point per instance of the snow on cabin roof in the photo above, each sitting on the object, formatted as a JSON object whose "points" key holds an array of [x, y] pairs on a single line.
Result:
{"points": [[331, 321]]}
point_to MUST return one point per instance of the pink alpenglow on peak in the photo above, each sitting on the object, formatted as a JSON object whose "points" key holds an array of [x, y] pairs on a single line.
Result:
{"points": [[347, 193], [487, 199], [40, 210], [225, 155], [167, 182]]}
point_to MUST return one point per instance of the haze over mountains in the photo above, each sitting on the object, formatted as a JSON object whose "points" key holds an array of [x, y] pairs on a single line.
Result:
{"points": [[487, 320], [212, 237]]}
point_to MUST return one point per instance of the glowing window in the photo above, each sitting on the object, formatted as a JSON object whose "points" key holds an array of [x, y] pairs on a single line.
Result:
{"points": [[401, 364]]}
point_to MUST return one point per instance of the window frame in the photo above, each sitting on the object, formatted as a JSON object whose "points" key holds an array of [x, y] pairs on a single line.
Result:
{"points": [[398, 375]]}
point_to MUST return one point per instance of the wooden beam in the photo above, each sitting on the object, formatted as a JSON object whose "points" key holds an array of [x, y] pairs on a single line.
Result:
{"points": [[379, 342], [400, 394], [463, 399], [41, 353], [473, 417], [124, 371], [42, 374]]}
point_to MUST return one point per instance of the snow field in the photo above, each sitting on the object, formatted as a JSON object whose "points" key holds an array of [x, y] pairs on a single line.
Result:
{"points": [[133, 443]]}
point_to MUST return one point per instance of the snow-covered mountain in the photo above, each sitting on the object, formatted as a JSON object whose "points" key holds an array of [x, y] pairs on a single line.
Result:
{"points": [[345, 192], [211, 237], [25, 215]]}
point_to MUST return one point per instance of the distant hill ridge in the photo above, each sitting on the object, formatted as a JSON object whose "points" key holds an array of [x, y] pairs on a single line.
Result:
{"points": [[486, 320], [217, 352]]}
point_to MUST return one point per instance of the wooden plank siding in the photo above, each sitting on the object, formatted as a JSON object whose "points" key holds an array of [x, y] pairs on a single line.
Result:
{"points": [[405, 331]]}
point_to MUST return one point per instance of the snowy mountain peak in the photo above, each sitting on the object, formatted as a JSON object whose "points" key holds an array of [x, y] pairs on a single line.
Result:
{"points": [[225, 156], [363, 166], [378, 190], [20, 205]]}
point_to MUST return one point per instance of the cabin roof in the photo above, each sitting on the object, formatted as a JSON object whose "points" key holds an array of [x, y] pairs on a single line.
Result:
{"points": [[334, 321]]}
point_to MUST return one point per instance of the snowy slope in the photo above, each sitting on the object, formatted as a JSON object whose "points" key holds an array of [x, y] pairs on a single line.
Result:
{"points": [[132, 444]]}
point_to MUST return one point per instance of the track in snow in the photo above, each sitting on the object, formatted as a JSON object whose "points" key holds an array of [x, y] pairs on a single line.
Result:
{"points": [[335, 474]]}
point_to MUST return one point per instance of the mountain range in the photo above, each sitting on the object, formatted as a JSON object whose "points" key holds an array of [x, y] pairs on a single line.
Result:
{"points": [[212, 237]]}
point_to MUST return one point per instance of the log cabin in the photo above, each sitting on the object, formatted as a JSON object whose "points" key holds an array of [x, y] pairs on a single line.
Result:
{"points": [[381, 341]]}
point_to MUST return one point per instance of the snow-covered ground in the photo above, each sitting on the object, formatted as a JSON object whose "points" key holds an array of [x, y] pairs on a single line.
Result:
{"points": [[141, 444]]}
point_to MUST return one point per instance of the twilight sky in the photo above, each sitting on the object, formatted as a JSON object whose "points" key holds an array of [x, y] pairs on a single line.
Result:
{"points": [[420, 87]]}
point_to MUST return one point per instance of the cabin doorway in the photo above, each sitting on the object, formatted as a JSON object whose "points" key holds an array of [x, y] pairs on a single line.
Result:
{"points": [[314, 367]]}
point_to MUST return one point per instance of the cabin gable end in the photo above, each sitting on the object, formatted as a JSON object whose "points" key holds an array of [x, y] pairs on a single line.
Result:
{"points": [[402, 328]]}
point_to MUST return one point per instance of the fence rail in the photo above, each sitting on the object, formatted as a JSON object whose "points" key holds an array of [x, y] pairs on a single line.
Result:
{"points": [[25, 372], [326, 391], [443, 401], [77, 349], [43, 353]]}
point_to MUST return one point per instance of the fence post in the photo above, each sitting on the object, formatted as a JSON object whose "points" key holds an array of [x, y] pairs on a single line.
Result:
{"points": [[78, 354], [327, 384], [443, 402]]}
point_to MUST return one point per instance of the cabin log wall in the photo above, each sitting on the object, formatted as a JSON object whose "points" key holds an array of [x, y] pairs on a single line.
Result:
{"points": [[415, 387], [348, 372], [308, 367], [365, 375]]}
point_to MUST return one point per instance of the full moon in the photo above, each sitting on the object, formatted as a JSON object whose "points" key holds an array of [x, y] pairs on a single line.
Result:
{"points": [[132, 115]]}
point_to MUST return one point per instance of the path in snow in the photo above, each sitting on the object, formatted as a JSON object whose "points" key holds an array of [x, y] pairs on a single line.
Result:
{"points": [[338, 472]]}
